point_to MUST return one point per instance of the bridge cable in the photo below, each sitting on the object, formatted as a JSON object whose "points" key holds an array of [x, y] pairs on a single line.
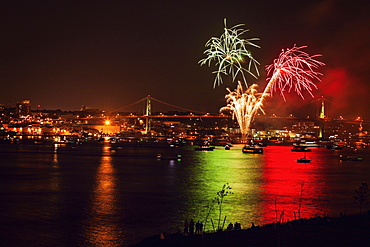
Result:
{"points": [[131, 104], [177, 106]]}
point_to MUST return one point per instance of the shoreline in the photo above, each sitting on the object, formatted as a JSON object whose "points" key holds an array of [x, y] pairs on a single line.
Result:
{"points": [[347, 230]]}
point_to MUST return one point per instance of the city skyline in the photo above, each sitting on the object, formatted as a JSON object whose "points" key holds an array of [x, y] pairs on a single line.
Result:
{"points": [[108, 55], [316, 109]]}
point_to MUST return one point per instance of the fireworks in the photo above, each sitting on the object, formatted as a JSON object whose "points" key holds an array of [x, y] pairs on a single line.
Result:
{"points": [[293, 69], [229, 53], [243, 106]]}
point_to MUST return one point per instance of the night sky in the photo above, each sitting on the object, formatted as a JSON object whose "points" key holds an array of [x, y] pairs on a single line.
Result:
{"points": [[108, 54]]}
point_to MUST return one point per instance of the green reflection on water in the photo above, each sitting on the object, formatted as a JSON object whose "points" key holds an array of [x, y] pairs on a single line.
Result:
{"points": [[242, 171]]}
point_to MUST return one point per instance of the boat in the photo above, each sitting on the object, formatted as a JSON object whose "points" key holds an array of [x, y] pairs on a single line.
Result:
{"points": [[309, 144], [303, 160], [247, 149], [220, 142], [170, 157], [298, 148], [262, 144], [204, 148], [335, 147], [113, 149], [350, 158]]}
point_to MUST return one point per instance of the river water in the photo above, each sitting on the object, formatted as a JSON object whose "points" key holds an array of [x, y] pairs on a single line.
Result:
{"points": [[91, 195]]}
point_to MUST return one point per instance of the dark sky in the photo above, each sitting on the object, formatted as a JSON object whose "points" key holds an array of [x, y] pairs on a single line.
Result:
{"points": [[108, 54]]}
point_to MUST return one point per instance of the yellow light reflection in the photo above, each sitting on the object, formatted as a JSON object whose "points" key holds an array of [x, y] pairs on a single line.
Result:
{"points": [[104, 229]]}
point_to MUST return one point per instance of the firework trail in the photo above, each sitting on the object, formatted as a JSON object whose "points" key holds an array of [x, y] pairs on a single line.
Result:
{"points": [[229, 53], [293, 69], [243, 106]]}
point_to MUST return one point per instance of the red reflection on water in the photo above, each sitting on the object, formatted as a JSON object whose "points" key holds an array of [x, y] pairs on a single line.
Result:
{"points": [[290, 189]]}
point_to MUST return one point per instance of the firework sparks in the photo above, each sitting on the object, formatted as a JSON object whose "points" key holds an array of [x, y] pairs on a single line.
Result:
{"points": [[293, 69], [229, 53], [243, 106]]}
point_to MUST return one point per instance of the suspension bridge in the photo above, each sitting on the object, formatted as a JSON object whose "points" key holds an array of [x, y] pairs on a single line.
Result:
{"points": [[144, 109], [145, 106]]}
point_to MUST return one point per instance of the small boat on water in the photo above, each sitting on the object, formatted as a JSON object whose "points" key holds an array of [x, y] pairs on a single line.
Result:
{"points": [[164, 157], [303, 159], [204, 148], [247, 149], [309, 144], [299, 148], [335, 147], [262, 144], [350, 158]]}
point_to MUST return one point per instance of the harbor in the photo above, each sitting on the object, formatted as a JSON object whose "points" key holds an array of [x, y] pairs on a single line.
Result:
{"points": [[92, 194]]}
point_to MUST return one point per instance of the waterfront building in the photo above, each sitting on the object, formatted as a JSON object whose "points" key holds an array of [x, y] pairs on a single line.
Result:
{"points": [[23, 108]]}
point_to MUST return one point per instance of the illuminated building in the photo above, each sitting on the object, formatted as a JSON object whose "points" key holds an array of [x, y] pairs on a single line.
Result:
{"points": [[23, 108]]}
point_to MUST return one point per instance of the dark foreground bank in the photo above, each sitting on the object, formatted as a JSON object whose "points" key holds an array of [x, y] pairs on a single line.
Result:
{"points": [[353, 230]]}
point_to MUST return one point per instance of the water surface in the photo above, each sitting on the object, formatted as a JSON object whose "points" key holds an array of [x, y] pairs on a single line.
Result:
{"points": [[92, 195]]}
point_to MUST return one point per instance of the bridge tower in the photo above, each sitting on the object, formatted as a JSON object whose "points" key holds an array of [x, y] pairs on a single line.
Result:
{"points": [[148, 112], [322, 111], [322, 116]]}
